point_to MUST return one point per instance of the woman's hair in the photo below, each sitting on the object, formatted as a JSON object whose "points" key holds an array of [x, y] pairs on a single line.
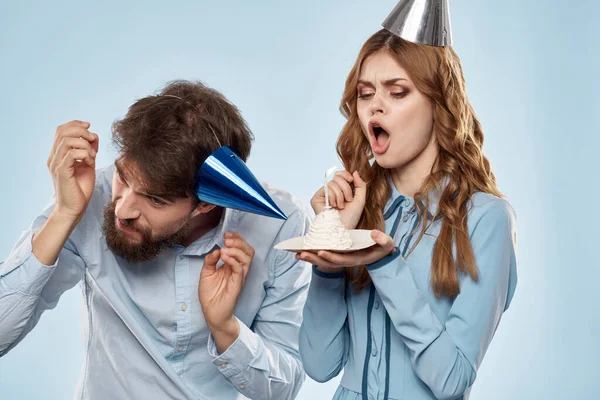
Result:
{"points": [[460, 169]]}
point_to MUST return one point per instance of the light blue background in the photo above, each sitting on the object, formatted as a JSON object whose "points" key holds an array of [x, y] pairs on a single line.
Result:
{"points": [[531, 70]]}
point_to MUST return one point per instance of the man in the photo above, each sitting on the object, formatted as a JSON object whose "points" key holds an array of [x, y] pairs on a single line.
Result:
{"points": [[184, 300]]}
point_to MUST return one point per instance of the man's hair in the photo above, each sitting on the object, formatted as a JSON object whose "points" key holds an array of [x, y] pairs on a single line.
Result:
{"points": [[167, 137]]}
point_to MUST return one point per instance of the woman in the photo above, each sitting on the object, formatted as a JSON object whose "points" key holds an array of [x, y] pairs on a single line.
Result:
{"points": [[414, 315]]}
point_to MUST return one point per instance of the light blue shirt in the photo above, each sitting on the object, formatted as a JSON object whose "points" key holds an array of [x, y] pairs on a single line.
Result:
{"points": [[395, 339], [145, 334]]}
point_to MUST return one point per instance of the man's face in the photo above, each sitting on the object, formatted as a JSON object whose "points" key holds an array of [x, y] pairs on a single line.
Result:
{"points": [[139, 225]]}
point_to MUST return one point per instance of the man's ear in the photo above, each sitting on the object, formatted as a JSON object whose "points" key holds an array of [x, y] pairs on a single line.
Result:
{"points": [[203, 208]]}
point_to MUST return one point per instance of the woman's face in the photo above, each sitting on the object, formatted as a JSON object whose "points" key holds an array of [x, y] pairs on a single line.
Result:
{"points": [[396, 118]]}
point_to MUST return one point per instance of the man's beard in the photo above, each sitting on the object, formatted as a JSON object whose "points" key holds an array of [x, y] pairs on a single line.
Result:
{"points": [[148, 248]]}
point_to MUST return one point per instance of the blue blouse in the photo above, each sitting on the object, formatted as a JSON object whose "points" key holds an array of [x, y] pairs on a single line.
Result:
{"points": [[394, 339]]}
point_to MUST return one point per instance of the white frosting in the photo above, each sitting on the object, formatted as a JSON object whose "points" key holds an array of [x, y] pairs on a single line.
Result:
{"points": [[328, 232]]}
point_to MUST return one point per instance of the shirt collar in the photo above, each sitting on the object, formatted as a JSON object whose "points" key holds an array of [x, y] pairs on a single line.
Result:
{"points": [[397, 200], [215, 237]]}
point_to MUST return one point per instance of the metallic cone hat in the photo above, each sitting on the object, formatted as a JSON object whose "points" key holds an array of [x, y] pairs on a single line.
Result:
{"points": [[225, 180], [421, 21]]}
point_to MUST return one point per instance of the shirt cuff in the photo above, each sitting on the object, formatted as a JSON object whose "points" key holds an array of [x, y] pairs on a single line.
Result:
{"points": [[328, 275], [247, 351], [23, 272]]}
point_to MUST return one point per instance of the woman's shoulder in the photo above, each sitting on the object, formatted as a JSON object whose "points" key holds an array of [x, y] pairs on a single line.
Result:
{"points": [[488, 208]]}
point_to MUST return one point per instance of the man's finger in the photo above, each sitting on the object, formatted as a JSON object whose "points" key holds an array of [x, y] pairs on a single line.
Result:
{"points": [[95, 141], [65, 146], [236, 266], [75, 122], [238, 255], [235, 240], [73, 131], [210, 261], [71, 158]]}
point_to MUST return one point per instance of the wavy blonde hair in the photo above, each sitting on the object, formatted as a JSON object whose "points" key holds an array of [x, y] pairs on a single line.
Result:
{"points": [[437, 73]]}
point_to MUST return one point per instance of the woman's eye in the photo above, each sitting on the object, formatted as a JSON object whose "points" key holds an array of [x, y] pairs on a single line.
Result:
{"points": [[399, 95]]}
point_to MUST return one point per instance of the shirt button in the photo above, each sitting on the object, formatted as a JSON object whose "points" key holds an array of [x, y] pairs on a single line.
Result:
{"points": [[179, 348], [223, 365], [376, 305], [374, 352], [183, 307], [181, 257], [405, 218], [242, 386], [17, 260]]}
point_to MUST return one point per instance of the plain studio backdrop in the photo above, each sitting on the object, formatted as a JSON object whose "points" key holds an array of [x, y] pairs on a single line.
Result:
{"points": [[532, 76]]}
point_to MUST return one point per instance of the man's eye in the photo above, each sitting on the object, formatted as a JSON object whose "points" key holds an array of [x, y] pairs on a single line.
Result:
{"points": [[156, 202]]}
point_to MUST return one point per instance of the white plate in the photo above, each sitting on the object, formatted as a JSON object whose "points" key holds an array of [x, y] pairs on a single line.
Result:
{"points": [[361, 239]]}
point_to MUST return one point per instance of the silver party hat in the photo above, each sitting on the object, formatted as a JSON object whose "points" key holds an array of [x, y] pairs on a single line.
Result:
{"points": [[421, 21]]}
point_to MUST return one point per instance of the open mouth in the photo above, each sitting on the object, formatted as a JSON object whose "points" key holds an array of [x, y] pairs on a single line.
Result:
{"points": [[380, 138], [125, 228]]}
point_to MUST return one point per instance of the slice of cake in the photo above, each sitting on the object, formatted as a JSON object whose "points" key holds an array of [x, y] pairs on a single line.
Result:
{"points": [[328, 232]]}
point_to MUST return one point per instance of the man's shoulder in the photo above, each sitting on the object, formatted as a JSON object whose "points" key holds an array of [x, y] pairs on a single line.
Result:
{"points": [[102, 188], [104, 178], [287, 202], [298, 216], [94, 213]]}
